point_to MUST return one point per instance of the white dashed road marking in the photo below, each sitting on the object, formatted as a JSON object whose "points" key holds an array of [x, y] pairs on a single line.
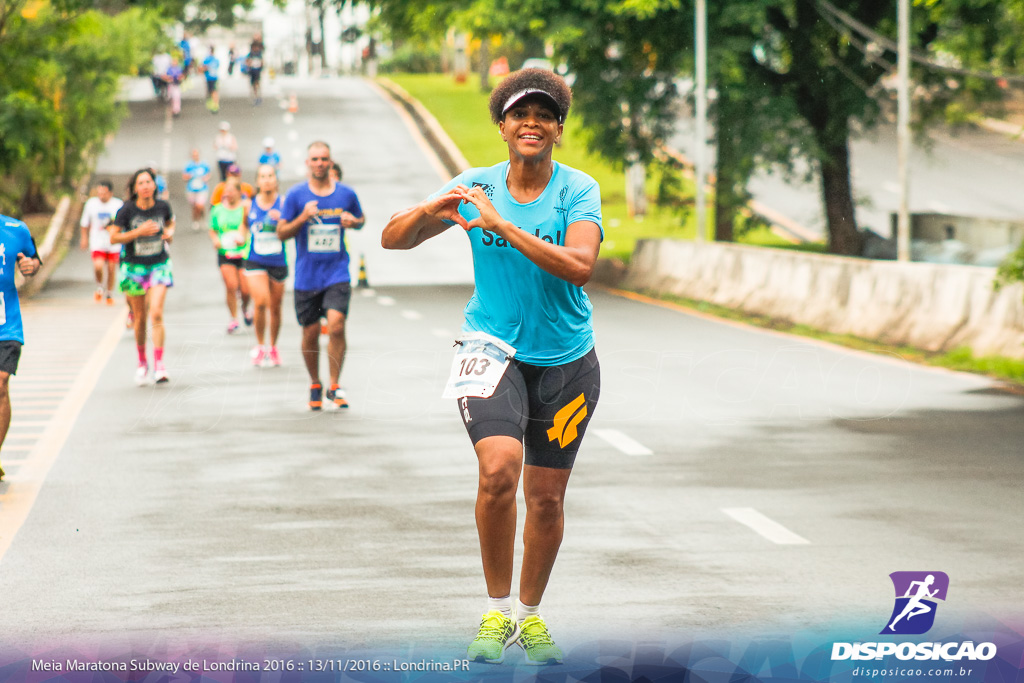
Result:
{"points": [[770, 529], [623, 442]]}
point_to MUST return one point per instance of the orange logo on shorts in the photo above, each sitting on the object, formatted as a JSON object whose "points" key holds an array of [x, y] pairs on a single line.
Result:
{"points": [[565, 421]]}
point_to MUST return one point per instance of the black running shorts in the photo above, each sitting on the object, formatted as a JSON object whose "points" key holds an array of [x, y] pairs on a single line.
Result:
{"points": [[310, 306], [10, 354], [223, 260], [548, 408], [275, 273]]}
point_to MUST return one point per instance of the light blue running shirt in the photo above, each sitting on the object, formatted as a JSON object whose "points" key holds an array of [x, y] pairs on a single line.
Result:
{"points": [[547, 319], [14, 239], [197, 172]]}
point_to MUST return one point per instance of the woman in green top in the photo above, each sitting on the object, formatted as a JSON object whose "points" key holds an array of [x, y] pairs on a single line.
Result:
{"points": [[229, 231]]}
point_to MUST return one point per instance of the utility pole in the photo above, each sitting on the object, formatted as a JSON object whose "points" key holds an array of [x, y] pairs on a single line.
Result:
{"points": [[903, 133], [700, 148]]}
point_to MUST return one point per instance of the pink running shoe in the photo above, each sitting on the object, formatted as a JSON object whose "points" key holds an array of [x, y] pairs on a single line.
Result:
{"points": [[274, 358], [259, 356]]}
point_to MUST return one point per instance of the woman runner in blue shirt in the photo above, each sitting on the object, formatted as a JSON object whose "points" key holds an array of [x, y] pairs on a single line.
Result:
{"points": [[266, 266], [535, 230]]}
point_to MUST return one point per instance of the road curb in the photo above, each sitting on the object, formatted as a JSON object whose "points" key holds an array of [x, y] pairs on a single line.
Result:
{"points": [[51, 251], [1013, 131], [446, 149]]}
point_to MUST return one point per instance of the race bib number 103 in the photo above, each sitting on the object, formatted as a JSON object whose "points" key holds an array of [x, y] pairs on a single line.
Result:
{"points": [[479, 364]]}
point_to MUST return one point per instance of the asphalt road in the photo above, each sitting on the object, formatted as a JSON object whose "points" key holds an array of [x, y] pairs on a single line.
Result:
{"points": [[735, 481], [965, 172]]}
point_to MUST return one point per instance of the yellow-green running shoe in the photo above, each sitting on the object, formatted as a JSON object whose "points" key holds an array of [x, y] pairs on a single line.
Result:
{"points": [[497, 634], [536, 641]]}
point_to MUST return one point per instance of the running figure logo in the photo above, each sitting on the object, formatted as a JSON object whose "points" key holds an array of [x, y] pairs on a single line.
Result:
{"points": [[916, 593]]}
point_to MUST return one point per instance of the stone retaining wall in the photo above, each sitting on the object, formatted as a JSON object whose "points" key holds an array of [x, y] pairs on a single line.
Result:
{"points": [[929, 306]]}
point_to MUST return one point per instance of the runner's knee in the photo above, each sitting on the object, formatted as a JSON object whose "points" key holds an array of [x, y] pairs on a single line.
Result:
{"points": [[546, 505], [336, 329], [498, 483], [500, 465]]}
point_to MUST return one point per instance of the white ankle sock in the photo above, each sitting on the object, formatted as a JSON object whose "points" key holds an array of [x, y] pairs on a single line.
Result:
{"points": [[524, 611], [503, 605]]}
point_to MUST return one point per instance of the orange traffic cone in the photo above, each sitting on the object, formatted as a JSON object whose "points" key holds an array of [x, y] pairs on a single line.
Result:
{"points": [[293, 104]]}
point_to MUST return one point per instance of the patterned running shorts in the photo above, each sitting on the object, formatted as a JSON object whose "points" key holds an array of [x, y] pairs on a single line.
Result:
{"points": [[136, 279]]}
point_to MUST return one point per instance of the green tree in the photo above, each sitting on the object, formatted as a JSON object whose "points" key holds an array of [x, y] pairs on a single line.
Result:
{"points": [[795, 78], [58, 93]]}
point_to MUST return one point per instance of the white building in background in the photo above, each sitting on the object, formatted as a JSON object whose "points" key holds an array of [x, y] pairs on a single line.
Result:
{"points": [[285, 31], [284, 37]]}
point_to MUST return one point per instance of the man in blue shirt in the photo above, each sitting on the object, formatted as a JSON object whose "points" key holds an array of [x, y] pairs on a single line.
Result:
{"points": [[210, 67], [17, 250], [316, 213]]}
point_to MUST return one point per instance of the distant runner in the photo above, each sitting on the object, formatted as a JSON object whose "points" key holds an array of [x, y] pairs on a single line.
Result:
{"points": [[254, 62], [270, 155], [211, 66], [197, 187], [316, 213], [97, 214], [266, 267], [225, 147], [145, 226], [230, 236]]}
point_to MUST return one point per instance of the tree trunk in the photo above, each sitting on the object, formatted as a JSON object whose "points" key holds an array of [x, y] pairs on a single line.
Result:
{"points": [[34, 200], [837, 193], [725, 198], [485, 64], [636, 188]]}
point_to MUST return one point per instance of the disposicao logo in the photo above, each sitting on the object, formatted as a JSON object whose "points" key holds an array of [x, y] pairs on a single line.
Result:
{"points": [[913, 613], [916, 595]]}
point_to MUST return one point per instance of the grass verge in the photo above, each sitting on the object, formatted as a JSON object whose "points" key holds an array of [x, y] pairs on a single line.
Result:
{"points": [[1009, 370]]}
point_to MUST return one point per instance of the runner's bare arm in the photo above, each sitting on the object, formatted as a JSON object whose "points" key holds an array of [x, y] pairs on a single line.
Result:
{"points": [[150, 227], [350, 222], [28, 265], [415, 225], [289, 229], [246, 207], [572, 261]]}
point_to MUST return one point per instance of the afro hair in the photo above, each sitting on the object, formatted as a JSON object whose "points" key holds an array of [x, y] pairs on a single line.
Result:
{"points": [[533, 79]]}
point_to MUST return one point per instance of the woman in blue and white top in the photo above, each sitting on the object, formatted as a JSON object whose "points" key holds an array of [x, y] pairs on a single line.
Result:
{"points": [[535, 230], [266, 266]]}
